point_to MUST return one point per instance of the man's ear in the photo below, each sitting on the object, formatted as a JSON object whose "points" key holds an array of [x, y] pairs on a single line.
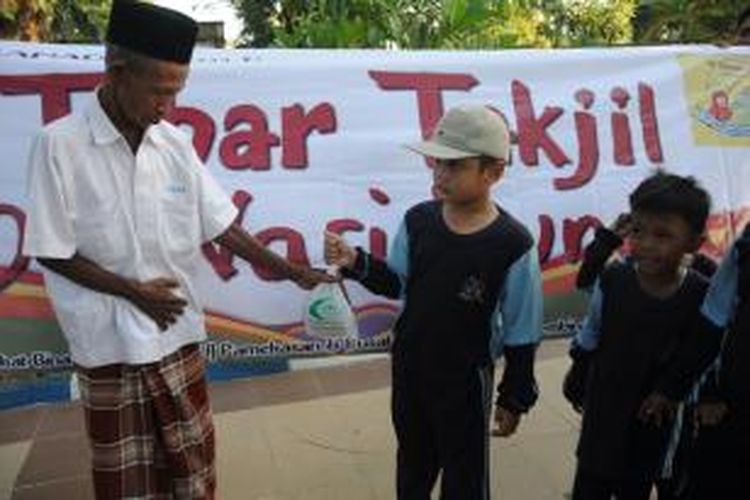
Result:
{"points": [[115, 70]]}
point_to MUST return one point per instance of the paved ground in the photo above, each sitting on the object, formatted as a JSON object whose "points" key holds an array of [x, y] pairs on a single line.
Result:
{"points": [[320, 433]]}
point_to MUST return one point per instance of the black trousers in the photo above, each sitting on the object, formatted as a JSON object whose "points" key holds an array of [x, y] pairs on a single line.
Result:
{"points": [[588, 486], [667, 490], [721, 463], [442, 427]]}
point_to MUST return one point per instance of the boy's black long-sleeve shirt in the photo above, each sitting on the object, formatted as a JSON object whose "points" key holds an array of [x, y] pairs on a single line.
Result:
{"points": [[638, 338], [694, 357], [467, 300], [724, 327]]}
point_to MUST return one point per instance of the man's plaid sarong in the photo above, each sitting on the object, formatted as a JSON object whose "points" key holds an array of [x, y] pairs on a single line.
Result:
{"points": [[150, 427]]}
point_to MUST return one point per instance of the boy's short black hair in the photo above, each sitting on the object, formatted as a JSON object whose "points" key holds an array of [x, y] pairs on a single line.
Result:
{"points": [[670, 193], [488, 161]]}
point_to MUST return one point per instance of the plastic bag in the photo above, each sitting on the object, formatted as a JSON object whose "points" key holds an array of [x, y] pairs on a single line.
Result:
{"points": [[328, 313]]}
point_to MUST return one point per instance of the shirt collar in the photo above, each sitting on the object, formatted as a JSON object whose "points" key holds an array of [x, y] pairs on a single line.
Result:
{"points": [[102, 129], [105, 132], [155, 134]]}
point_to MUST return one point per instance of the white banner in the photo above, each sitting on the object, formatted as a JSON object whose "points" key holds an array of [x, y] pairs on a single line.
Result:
{"points": [[311, 139]]}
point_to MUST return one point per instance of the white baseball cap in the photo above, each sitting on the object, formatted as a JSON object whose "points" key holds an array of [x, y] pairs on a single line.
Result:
{"points": [[466, 131]]}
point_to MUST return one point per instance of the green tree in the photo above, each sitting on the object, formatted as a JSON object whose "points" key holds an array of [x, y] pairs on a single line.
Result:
{"points": [[467, 24], [598, 22], [464, 24], [258, 17], [82, 21], [54, 20], [24, 19], [318, 23], [686, 21]]}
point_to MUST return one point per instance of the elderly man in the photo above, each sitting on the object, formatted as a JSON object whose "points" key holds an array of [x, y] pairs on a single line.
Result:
{"points": [[119, 205]]}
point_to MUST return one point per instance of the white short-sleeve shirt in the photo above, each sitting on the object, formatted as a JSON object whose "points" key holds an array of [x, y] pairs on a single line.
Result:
{"points": [[142, 216]]}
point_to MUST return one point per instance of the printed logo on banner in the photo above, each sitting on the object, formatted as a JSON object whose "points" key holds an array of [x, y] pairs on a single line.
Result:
{"points": [[718, 96]]}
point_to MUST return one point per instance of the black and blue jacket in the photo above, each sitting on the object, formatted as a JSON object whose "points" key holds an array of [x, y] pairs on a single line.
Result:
{"points": [[468, 299]]}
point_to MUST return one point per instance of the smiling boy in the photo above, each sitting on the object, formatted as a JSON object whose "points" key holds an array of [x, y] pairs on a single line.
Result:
{"points": [[641, 312]]}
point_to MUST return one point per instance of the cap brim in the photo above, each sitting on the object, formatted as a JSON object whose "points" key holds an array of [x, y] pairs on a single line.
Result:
{"points": [[439, 151]]}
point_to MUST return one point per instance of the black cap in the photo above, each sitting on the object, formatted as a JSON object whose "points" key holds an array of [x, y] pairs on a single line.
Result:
{"points": [[151, 30]]}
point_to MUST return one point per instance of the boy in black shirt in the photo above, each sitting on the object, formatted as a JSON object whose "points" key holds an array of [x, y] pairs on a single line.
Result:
{"points": [[702, 403], [641, 312], [469, 276], [723, 444]]}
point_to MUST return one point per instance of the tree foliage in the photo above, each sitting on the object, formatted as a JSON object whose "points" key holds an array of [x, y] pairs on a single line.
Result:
{"points": [[687, 21], [598, 22], [54, 20], [79, 20], [24, 19], [465, 24], [413, 24]]}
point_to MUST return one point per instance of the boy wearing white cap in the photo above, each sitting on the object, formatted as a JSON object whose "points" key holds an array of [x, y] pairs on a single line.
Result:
{"points": [[469, 276]]}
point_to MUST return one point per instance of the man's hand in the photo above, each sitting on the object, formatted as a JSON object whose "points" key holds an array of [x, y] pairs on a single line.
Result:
{"points": [[506, 422], [156, 300], [708, 415], [657, 409], [308, 278], [245, 245], [337, 252]]}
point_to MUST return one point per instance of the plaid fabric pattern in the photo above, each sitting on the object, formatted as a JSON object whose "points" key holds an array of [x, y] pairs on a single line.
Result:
{"points": [[150, 428]]}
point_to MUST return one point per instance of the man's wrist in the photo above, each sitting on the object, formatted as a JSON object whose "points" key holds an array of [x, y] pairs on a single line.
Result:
{"points": [[294, 271], [130, 290]]}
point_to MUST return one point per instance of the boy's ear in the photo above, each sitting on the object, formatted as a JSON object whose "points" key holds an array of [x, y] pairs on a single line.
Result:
{"points": [[496, 171], [698, 241]]}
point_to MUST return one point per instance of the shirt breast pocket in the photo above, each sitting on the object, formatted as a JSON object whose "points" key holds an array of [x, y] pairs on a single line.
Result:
{"points": [[180, 227]]}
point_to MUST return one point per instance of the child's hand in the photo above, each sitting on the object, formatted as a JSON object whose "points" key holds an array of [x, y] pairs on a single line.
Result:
{"points": [[657, 409], [576, 379], [708, 415], [622, 225], [337, 252], [506, 422], [574, 385]]}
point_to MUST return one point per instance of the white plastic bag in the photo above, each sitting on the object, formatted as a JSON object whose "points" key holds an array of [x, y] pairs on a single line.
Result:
{"points": [[328, 313]]}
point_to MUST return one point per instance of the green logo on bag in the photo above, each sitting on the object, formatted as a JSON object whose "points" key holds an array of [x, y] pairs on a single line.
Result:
{"points": [[321, 308], [328, 314]]}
